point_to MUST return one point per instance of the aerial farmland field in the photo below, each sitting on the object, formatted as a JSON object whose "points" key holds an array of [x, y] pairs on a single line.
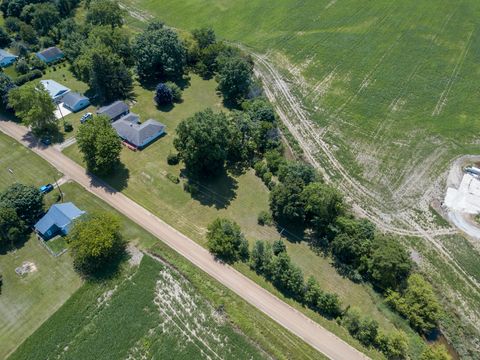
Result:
{"points": [[383, 97], [389, 84]]}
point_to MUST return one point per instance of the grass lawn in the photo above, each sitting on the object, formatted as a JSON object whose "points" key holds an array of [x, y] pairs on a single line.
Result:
{"points": [[25, 166], [26, 302], [250, 321], [237, 197]]}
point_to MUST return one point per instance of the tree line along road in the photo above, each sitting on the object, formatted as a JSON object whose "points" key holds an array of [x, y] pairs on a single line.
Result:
{"points": [[294, 321]]}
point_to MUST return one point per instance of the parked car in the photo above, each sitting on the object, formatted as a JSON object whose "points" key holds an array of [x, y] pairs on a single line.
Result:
{"points": [[86, 117], [46, 141], [46, 188]]}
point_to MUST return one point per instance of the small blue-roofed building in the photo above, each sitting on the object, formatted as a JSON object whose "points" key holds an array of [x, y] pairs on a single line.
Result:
{"points": [[50, 55], [6, 59], [57, 220], [57, 91], [75, 102]]}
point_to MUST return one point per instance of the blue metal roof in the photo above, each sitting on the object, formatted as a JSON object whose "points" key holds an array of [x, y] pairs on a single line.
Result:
{"points": [[5, 54], [58, 217]]}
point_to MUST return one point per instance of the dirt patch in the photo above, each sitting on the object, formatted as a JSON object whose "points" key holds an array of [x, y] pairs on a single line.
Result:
{"points": [[27, 267]]}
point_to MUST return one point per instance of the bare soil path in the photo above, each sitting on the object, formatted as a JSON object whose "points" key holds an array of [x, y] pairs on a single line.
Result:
{"points": [[300, 325]]}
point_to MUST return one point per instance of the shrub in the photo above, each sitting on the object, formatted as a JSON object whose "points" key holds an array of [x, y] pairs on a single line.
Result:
{"points": [[163, 95], [264, 218], [267, 177], [173, 159], [226, 241], [67, 126], [22, 79], [173, 178], [260, 169], [279, 247], [22, 67], [190, 188], [175, 90]]}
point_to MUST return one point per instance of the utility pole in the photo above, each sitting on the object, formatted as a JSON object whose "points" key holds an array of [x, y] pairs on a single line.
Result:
{"points": [[58, 187]]}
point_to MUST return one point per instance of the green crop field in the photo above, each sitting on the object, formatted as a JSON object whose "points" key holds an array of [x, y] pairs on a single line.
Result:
{"points": [[391, 84], [149, 311]]}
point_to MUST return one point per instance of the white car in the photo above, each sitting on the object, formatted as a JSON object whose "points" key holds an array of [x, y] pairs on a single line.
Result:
{"points": [[86, 117]]}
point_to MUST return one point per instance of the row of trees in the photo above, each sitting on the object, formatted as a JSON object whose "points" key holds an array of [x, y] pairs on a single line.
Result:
{"points": [[301, 199], [207, 141], [226, 241], [20, 207]]}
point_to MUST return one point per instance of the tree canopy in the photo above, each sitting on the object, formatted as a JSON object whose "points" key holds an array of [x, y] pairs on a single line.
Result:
{"points": [[6, 84], [435, 352], [202, 142], [417, 303], [12, 228], [99, 144], [94, 240], [105, 72], [34, 106], [226, 241], [159, 54], [26, 200], [105, 12], [234, 78]]}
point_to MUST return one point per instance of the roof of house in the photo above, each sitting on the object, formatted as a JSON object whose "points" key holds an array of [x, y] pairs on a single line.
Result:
{"points": [[54, 88], [72, 98], [137, 134], [114, 109], [4, 54], [51, 53], [132, 118], [59, 215]]}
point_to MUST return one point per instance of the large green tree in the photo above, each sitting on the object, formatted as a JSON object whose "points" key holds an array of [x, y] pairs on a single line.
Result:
{"points": [[202, 142], [323, 204], [34, 106], [159, 54], [44, 17], [12, 228], [417, 303], [226, 241], [105, 72], [26, 200], [389, 263], [235, 78], [99, 144], [105, 12], [94, 241]]}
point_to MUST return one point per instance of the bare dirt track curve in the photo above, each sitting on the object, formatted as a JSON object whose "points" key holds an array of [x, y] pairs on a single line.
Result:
{"points": [[308, 135], [294, 321]]}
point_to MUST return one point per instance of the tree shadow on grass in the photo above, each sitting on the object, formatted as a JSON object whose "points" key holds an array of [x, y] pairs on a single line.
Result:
{"points": [[114, 182], [218, 191], [6, 248], [110, 269]]}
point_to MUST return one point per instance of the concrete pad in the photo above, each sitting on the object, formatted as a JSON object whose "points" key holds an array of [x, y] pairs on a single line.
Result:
{"points": [[62, 111], [466, 198]]}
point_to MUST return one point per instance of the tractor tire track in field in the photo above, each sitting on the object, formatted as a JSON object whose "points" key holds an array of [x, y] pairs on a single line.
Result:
{"points": [[305, 132], [442, 101]]}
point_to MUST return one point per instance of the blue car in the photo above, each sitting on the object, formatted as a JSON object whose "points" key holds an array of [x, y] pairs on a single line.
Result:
{"points": [[46, 188]]}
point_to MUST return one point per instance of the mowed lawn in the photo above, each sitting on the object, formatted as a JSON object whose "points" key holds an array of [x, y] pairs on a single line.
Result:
{"points": [[26, 302], [240, 198], [89, 327], [394, 84], [18, 164], [148, 312]]}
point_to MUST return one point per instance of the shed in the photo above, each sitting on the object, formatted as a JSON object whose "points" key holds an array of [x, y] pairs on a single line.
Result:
{"points": [[6, 59], [115, 110], [75, 102], [57, 91], [57, 220], [50, 55], [136, 134]]}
